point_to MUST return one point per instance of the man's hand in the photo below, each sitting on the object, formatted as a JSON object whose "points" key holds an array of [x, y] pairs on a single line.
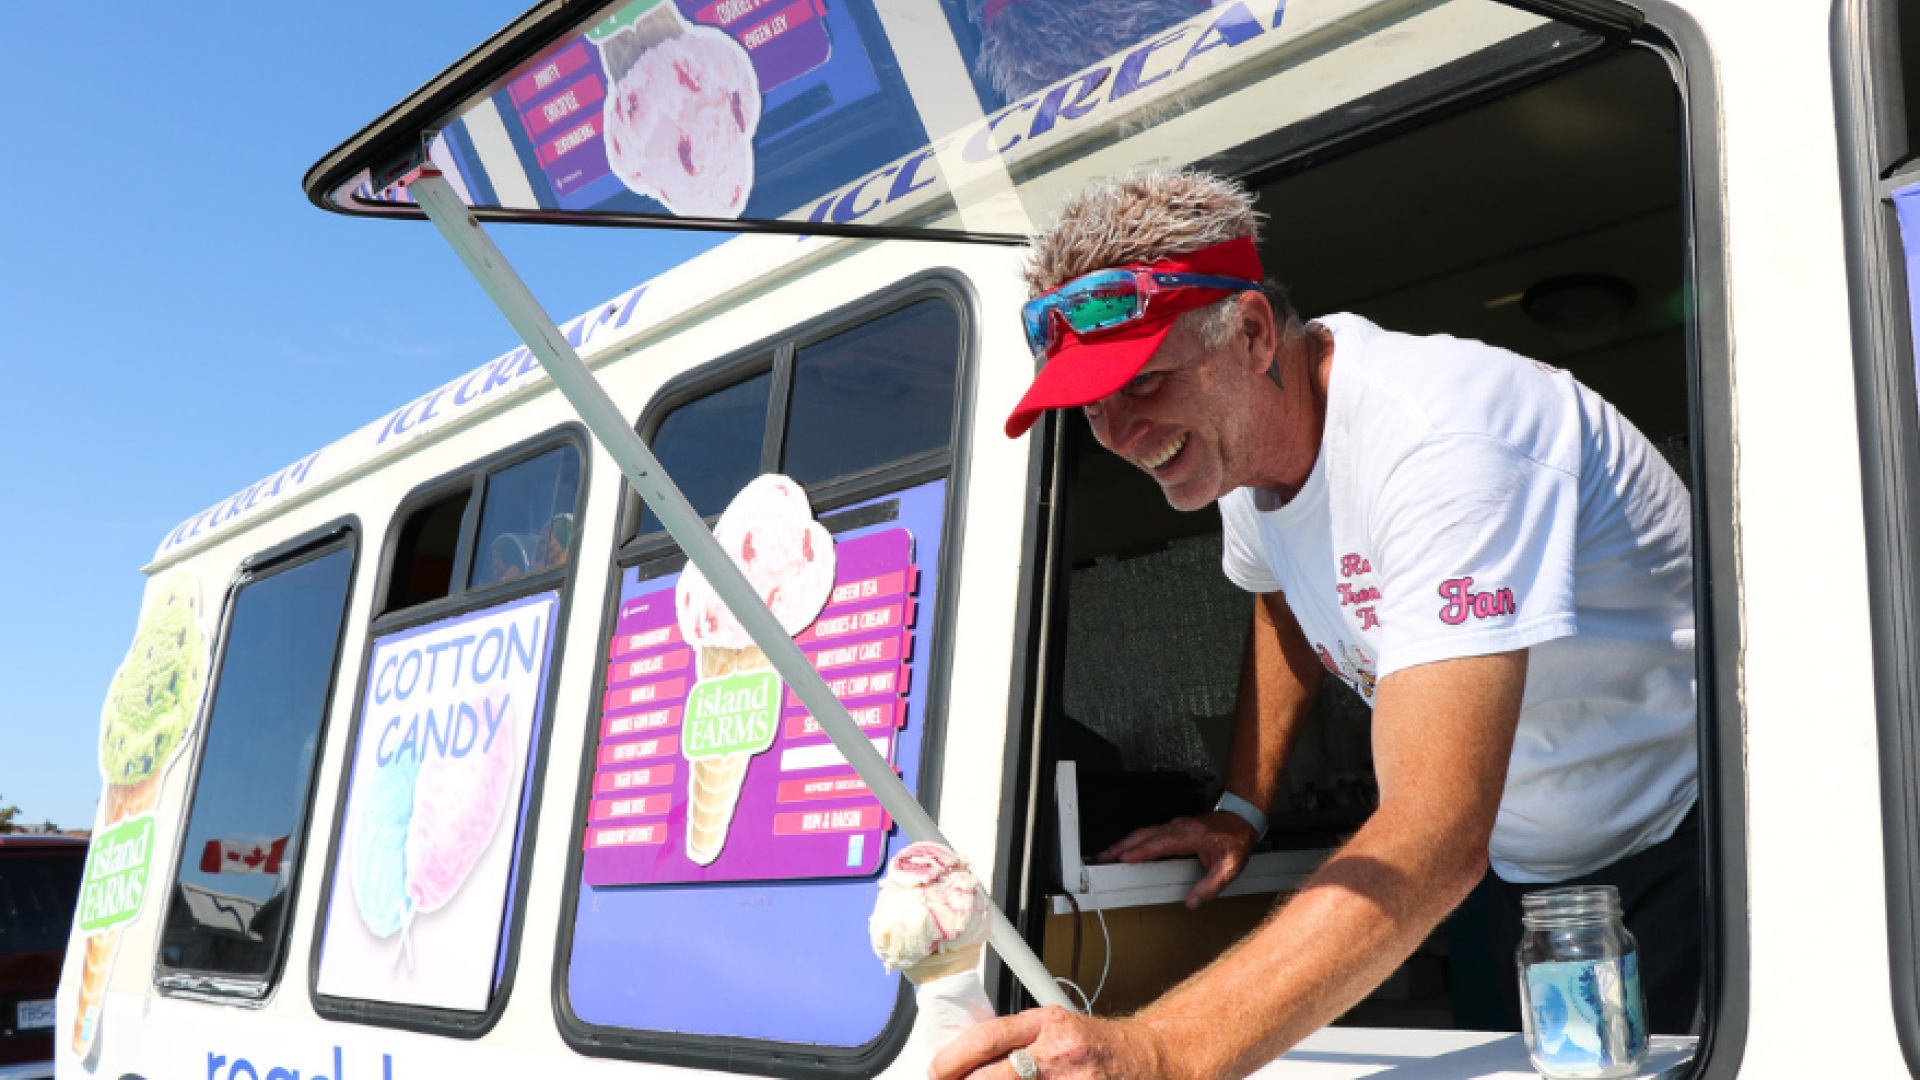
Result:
{"points": [[1222, 841], [1066, 1046]]}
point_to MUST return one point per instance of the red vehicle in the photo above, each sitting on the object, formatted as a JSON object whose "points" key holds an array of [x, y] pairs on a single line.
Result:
{"points": [[39, 886]]}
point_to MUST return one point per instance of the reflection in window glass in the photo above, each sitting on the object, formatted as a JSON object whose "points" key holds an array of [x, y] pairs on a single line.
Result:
{"points": [[423, 562], [228, 911], [37, 897], [527, 521], [711, 446], [877, 393]]}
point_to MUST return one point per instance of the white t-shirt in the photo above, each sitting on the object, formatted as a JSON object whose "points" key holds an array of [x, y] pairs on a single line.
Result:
{"points": [[1468, 501]]}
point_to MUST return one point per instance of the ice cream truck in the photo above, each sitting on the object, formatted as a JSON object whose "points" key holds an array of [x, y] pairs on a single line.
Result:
{"points": [[433, 753]]}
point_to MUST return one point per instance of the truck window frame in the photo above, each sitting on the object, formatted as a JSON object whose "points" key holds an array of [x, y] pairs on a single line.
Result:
{"points": [[1875, 161], [734, 1053], [1679, 39], [340, 534], [461, 601]]}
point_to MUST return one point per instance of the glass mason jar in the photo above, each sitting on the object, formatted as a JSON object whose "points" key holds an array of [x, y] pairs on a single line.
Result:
{"points": [[1580, 985]]}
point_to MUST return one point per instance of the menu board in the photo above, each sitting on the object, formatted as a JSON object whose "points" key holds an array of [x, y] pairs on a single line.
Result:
{"points": [[734, 761]]}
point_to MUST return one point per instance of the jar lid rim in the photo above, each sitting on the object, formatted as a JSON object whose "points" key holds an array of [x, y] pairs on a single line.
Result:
{"points": [[1579, 900]]}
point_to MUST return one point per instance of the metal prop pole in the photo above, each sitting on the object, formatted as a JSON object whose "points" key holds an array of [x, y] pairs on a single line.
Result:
{"points": [[564, 366]]}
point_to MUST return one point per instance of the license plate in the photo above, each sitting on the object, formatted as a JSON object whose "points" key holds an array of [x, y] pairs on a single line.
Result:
{"points": [[36, 1014]]}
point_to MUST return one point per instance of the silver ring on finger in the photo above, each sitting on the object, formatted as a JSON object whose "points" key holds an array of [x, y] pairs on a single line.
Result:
{"points": [[1023, 1064]]}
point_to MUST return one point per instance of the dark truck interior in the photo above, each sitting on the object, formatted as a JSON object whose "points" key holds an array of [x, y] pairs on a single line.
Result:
{"points": [[1548, 221]]}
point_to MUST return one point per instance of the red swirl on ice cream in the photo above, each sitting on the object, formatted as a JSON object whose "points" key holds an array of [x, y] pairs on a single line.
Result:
{"points": [[930, 903], [680, 124], [769, 532]]}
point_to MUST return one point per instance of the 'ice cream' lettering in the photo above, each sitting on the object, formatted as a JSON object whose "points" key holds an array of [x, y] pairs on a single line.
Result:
{"points": [[1235, 26], [1131, 69], [977, 149]]}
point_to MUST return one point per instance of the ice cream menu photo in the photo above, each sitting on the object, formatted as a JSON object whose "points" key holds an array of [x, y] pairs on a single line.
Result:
{"points": [[707, 768], [664, 99]]}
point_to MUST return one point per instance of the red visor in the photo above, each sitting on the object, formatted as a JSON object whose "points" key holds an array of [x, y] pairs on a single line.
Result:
{"points": [[1078, 372]]}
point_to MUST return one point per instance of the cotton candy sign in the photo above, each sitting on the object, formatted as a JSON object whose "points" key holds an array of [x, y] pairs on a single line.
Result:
{"points": [[428, 844]]}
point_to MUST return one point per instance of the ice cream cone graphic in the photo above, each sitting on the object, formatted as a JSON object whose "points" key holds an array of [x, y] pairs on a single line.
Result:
{"points": [[713, 783], [93, 987], [732, 710], [713, 790], [629, 33], [148, 716]]}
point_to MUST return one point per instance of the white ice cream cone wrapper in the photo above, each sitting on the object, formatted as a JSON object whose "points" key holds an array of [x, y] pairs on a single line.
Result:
{"points": [[951, 998]]}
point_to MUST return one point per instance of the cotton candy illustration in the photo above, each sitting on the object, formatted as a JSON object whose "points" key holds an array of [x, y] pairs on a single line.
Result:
{"points": [[457, 801], [450, 712], [379, 846]]}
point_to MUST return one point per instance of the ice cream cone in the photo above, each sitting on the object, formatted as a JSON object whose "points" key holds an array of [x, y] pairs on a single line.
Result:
{"points": [[623, 47], [942, 964], [97, 962], [125, 800], [714, 787], [713, 784], [716, 661], [122, 801], [146, 720]]}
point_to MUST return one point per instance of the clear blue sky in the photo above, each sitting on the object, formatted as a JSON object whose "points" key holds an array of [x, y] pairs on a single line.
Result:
{"points": [[181, 322]]}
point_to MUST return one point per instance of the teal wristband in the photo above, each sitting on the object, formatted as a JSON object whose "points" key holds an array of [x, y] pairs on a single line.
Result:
{"points": [[1245, 811]]}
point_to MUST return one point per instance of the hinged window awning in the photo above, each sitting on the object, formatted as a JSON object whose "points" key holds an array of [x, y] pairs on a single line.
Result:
{"points": [[935, 119]]}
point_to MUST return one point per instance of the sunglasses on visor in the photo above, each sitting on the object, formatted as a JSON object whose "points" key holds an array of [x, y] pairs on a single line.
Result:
{"points": [[1107, 300]]}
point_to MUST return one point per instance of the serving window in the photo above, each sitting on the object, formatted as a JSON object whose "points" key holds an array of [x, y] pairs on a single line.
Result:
{"points": [[1551, 219], [427, 874], [736, 870], [230, 907], [1877, 57]]}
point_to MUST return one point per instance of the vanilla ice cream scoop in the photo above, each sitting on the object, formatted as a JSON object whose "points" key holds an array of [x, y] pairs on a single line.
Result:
{"points": [[680, 124], [769, 531], [930, 904]]}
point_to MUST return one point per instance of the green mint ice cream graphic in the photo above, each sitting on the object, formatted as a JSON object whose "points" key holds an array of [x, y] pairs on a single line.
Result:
{"points": [[157, 689]]}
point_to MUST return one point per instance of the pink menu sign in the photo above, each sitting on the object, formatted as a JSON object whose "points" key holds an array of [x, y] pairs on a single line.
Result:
{"points": [[800, 811]]}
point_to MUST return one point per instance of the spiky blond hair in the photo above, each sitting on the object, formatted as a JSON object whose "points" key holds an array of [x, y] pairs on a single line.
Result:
{"points": [[1137, 218], [1144, 216]]}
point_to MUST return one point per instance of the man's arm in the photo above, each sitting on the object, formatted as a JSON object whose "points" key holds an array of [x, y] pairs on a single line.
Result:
{"points": [[1442, 736], [1279, 678]]}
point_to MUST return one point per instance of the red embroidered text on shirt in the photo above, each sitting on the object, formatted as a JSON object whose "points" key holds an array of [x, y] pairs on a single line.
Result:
{"points": [[1462, 601]]}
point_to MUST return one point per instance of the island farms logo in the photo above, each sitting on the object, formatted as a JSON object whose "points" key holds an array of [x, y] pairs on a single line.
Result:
{"points": [[116, 878], [733, 715]]}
